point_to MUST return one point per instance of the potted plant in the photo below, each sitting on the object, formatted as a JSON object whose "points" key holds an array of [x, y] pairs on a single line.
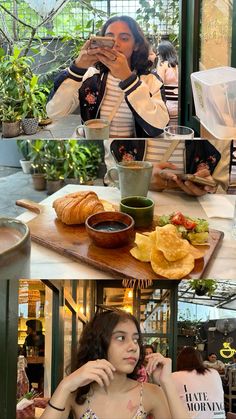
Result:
{"points": [[81, 162], [54, 176], [24, 147], [15, 72], [34, 100], [203, 286], [37, 154], [10, 118]]}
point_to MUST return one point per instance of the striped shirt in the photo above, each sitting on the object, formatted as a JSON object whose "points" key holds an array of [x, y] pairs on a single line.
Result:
{"points": [[122, 124], [156, 149]]}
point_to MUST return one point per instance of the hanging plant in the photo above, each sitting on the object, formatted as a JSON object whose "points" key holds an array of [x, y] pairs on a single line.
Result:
{"points": [[203, 286]]}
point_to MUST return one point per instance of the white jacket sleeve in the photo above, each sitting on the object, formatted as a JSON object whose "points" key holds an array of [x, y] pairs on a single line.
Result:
{"points": [[65, 99]]}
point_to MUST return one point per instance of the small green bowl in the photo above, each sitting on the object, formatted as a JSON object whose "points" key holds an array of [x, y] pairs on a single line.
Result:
{"points": [[140, 208]]}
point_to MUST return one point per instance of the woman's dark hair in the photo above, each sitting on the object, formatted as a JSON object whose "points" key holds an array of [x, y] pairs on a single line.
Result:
{"points": [[35, 325], [139, 59], [190, 359], [149, 347], [95, 340], [167, 52]]}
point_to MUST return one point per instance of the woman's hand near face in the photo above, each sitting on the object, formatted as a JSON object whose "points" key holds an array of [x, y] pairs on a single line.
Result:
{"points": [[87, 57], [159, 367], [99, 371], [161, 370], [116, 62]]}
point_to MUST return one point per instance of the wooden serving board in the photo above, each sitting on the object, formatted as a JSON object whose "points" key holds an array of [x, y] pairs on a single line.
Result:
{"points": [[73, 242]]}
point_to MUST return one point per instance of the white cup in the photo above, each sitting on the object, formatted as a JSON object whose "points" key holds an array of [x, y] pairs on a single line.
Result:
{"points": [[178, 132], [95, 129]]}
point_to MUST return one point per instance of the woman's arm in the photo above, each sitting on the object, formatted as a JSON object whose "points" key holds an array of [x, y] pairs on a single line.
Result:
{"points": [[161, 70], [143, 96], [160, 368], [99, 371], [64, 98]]}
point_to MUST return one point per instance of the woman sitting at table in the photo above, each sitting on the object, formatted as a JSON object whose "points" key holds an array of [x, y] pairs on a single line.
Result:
{"points": [[167, 68], [102, 80], [200, 388], [104, 384]]}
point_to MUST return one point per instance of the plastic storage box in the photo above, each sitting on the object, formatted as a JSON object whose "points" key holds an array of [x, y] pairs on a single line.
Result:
{"points": [[214, 93]]}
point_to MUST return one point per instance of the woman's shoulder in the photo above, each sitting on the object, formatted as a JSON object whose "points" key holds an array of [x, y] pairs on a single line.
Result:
{"points": [[150, 390], [153, 397]]}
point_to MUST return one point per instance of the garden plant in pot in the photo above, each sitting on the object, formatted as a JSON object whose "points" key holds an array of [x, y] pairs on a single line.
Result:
{"points": [[203, 286], [33, 105], [15, 71], [37, 155], [82, 161], [54, 176], [24, 146], [11, 119], [54, 157]]}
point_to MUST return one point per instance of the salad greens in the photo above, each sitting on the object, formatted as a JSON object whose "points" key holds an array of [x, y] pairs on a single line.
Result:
{"points": [[196, 230]]}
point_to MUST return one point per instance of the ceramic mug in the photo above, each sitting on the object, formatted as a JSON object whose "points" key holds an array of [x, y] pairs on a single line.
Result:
{"points": [[14, 249], [94, 129], [134, 177], [140, 208]]}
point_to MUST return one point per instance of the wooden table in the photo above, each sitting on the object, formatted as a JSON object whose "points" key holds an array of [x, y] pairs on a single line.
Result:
{"points": [[47, 264]]}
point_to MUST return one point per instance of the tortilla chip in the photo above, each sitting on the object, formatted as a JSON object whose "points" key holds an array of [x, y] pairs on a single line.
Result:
{"points": [[171, 270], [197, 253], [168, 240], [143, 250]]}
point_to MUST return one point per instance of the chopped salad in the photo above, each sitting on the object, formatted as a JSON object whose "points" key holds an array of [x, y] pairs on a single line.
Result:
{"points": [[196, 230]]}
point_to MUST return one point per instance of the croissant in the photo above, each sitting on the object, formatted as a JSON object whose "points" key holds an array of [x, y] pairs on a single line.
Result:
{"points": [[75, 207]]}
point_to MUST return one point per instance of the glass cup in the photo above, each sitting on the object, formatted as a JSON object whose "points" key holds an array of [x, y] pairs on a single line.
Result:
{"points": [[178, 132]]}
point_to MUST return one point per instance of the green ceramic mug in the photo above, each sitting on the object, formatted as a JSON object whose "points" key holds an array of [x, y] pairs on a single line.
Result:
{"points": [[140, 208], [134, 177]]}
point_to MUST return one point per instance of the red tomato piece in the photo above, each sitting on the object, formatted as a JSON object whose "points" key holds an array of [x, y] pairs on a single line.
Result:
{"points": [[178, 218], [189, 224]]}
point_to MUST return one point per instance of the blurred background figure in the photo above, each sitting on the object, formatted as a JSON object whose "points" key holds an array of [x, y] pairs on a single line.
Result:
{"points": [[148, 350], [199, 387], [34, 347], [142, 373], [213, 362], [167, 68]]}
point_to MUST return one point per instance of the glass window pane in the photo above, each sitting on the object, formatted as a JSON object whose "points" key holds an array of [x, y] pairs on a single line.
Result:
{"points": [[215, 33]]}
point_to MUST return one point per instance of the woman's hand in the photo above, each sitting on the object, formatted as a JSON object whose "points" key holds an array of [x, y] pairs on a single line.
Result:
{"points": [[88, 56], [101, 371], [159, 367], [192, 188], [116, 62], [164, 179], [161, 178]]}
